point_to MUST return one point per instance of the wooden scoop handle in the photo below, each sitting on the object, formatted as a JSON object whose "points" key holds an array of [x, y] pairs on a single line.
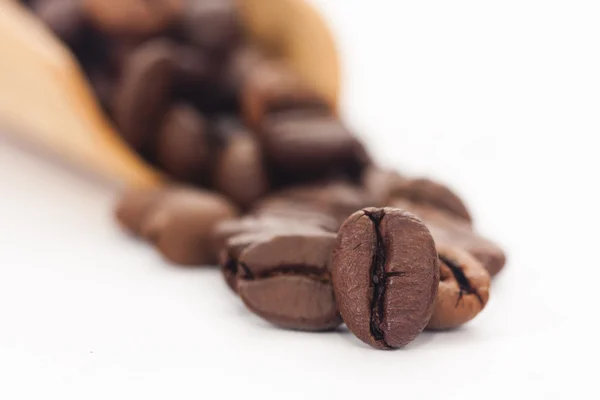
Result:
{"points": [[46, 99]]}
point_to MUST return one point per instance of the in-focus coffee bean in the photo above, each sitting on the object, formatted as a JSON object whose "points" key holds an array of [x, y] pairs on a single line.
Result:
{"points": [[463, 291], [286, 279], [385, 273]]}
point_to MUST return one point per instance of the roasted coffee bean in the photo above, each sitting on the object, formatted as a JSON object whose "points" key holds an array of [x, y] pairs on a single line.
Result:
{"points": [[133, 17], [292, 221], [272, 87], [133, 208], [143, 92], [193, 68], [463, 291], [306, 215], [104, 87], [240, 171], [426, 191], [286, 279], [386, 275], [64, 17], [337, 198], [458, 232], [380, 183], [181, 223], [212, 24], [182, 145], [306, 144]]}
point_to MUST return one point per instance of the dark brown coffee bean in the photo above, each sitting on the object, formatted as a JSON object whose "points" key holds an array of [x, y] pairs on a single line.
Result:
{"points": [[273, 87], [143, 92], [426, 191], [386, 275], [290, 211], [240, 171], [286, 279], [181, 223], [104, 87], [193, 67], [380, 183], [133, 207], [133, 17], [309, 144], [182, 145], [463, 291], [64, 17], [212, 24], [458, 232]]}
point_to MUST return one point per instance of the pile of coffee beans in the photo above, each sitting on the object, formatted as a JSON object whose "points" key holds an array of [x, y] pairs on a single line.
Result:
{"points": [[267, 181]]}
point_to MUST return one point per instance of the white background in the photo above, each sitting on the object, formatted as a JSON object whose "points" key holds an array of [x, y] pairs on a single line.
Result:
{"points": [[500, 99]]}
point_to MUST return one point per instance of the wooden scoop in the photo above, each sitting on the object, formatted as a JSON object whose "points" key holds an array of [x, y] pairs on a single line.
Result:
{"points": [[46, 99]]}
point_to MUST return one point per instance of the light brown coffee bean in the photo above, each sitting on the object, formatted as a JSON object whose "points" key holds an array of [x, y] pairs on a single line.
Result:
{"points": [[133, 17], [180, 225], [463, 291], [133, 207]]}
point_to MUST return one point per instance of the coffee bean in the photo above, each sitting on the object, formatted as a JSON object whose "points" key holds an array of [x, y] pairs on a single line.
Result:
{"points": [[306, 144], [338, 198], [286, 279], [458, 232], [212, 24], [463, 291], [180, 225], [182, 145], [385, 274], [133, 17], [380, 183], [143, 92], [273, 87], [240, 171], [193, 67], [104, 87], [426, 191], [64, 17], [133, 207]]}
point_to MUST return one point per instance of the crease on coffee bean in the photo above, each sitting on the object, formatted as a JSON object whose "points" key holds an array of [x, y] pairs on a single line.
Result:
{"points": [[314, 273], [463, 283], [378, 278]]}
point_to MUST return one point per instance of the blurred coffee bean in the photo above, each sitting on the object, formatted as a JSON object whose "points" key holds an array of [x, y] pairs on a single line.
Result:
{"points": [[143, 92], [463, 291], [133, 207], [426, 191], [240, 171], [385, 275], [182, 144], [212, 24], [380, 184], [104, 87], [133, 17], [286, 279], [64, 17], [181, 222], [457, 232], [193, 67], [272, 87], [309, 145], [337, 198]]}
